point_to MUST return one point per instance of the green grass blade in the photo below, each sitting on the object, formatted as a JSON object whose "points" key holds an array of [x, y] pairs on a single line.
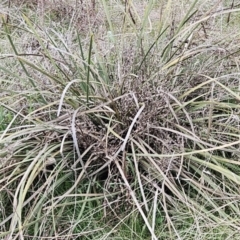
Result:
{"points": [[89, 67]]}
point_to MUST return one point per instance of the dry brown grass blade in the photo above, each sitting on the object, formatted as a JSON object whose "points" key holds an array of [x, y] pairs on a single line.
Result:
{"points": [[139, 179], [20, 194], [136, 201], [221, 147]]}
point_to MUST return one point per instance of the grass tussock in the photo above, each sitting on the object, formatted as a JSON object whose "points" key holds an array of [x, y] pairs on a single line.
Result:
{"points": [[119, 120]]}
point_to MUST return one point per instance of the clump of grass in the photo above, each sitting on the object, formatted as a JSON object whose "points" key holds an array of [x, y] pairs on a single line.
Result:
{"points": [[132, 132]]}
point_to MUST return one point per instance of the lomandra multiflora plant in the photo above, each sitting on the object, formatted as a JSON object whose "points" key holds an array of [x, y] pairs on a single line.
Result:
{"points": [[127, 128]]}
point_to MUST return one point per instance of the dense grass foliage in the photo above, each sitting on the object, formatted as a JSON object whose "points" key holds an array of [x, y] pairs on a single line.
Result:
{"points": [[119, 120]]}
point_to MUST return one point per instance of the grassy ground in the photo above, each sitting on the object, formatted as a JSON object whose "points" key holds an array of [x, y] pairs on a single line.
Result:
{"points": [[119, 119]]}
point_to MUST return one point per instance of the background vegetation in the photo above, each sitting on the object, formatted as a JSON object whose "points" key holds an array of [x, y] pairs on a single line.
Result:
{"points": [[119, 119]]}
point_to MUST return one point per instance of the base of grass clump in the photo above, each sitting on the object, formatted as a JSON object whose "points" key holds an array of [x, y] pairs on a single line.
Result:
{"points": [[127, 133]]}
